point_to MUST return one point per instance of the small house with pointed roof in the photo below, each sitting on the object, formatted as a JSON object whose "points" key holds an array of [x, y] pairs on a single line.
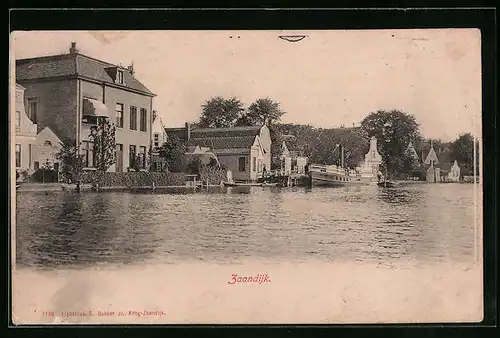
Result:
{"points": [[45, 148], [245, 151], [291, 161], [440, 165]]}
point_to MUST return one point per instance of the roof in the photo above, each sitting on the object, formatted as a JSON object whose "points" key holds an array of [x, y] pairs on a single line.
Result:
{"points": [[179, 133], [224, 142], [75, 65], [225, 132], [431, 156]]}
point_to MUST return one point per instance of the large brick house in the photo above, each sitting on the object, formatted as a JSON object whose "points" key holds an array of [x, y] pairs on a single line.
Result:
{"points": [[70, 92], [245, 151]]}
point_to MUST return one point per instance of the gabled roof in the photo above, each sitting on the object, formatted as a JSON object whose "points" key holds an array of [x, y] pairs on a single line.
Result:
{"points": [[46, 134], [179, 133], [67, 65], [225, 132], [223, 142], [431, 156]]}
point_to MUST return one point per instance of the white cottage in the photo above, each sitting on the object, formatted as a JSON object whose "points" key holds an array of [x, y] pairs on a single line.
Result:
{"points": [[45, 149], [454, 174], [159, 138]]}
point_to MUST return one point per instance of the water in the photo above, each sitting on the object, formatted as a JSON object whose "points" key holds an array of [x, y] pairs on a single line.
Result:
{"points": [[410, 225]]}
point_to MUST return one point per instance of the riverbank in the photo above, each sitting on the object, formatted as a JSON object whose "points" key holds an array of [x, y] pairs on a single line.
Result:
{"points": [[47, 187]]}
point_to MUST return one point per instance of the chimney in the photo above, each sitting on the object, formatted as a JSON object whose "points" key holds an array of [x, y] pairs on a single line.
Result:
{"points": [[188, 131], [73, 49], [131, 69]]}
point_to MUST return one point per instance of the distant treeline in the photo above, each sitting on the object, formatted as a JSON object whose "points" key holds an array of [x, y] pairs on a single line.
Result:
{"points": [[394, 130]]}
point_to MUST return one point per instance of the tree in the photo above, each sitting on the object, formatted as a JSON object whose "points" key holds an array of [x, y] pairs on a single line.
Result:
{"points": [[220, 113], [173, 152], [103, 138], [411, 162], [72, 162], [463, 151], [393, 129], [262, 111], [194, 166]]}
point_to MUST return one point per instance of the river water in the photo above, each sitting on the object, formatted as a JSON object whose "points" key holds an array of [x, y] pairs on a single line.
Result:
{"points": [[417, 228]]}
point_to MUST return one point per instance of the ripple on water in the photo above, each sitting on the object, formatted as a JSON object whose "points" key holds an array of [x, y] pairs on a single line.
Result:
{"points": [[422, 223]]}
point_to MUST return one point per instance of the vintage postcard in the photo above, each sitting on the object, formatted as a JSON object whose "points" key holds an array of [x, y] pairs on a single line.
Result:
{"points": [[246, 177]]}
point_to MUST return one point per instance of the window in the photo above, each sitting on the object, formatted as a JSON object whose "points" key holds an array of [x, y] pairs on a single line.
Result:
{"points": [[18, 118], [133, 118], [144, 118], [47, 143], [36, 165], [131, 156], [88, 154], [119, 115], [241, 164], [156, 140], [56, 166], [33, 110], [119, 76], [18, 155], [142, 155], [254, 164]]}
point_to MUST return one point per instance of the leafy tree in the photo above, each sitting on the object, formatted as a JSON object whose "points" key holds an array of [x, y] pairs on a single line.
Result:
{"points": [[72, 162], [103, 138], [220, 113], [173, 152], [463, 151], [194, 167], [263, 110], [393, 129], [411, 162], [213, 163]]}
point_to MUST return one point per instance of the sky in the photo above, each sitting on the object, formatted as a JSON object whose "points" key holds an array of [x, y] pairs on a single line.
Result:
{"points": [[328, 79]]}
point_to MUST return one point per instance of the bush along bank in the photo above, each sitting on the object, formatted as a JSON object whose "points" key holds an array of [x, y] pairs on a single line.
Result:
{"points": [[212, 176]]}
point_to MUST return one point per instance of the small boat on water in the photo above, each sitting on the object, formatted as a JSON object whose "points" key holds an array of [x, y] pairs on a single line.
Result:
{"points": [[386, 184]]}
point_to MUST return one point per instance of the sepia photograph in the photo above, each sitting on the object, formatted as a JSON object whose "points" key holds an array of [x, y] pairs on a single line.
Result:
{"points": [[246, 177]]}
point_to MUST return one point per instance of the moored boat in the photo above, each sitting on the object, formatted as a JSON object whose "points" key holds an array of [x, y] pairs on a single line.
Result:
{"points": [[386, 184], [336, 176], [340, 175]]}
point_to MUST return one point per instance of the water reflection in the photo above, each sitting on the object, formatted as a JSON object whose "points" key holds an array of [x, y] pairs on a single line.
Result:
{"points": [[419, 223]]}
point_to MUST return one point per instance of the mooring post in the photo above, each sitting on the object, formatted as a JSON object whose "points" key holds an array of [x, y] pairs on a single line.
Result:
{"points": [[154, 186]]}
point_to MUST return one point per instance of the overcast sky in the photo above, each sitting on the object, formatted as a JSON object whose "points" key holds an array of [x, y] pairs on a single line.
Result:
{"points": [[327, 79]]}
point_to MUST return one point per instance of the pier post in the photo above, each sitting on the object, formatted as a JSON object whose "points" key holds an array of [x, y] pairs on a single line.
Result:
{"points": [[154, 186]]}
